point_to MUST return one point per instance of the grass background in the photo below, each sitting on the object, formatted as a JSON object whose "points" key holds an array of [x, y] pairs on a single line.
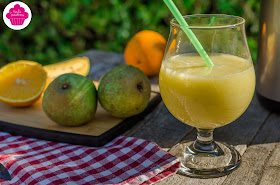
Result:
{"points": [[60, 29]]}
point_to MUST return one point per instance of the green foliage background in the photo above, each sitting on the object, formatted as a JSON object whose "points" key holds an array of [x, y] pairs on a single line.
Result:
{"points": [[60, 29]]}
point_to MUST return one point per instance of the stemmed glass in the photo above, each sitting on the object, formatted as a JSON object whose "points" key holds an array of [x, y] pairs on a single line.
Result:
{"points": [[207, 97]]}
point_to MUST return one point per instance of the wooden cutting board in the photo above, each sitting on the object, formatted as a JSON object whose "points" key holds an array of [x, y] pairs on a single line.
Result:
{"points": [[32, 122]]}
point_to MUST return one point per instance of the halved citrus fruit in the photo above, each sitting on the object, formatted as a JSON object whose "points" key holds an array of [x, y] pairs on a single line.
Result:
{"points": [[21, 83]]}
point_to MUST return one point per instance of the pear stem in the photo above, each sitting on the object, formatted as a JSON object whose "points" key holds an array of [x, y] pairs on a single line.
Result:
{"points": [[65, 86], [140, 86]]}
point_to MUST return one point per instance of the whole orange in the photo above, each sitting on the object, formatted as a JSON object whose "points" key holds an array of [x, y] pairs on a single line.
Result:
{"points": [[145, 51]]}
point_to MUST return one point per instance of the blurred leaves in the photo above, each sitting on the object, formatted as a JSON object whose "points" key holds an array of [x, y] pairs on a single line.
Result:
{"points": [[60, 29]]}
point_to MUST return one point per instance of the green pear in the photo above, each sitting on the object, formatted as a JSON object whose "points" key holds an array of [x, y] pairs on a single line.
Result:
{"points": [[124, 91], [70, 100]]}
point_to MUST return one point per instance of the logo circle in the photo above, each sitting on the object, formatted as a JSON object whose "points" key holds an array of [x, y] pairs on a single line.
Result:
{"points": [[17, 15]]}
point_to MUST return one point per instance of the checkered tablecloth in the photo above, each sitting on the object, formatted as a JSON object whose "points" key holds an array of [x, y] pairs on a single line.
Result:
{"points": [[125, 160]]}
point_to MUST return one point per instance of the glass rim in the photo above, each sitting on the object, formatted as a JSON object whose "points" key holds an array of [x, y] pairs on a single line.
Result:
{"points": [[240, 21]]}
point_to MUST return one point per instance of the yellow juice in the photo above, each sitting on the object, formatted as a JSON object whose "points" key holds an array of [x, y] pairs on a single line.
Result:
{"points": [[207, 97]]}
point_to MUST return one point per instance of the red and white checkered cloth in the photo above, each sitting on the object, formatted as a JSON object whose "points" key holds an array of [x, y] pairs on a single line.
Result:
{"points": [[125, 160]]}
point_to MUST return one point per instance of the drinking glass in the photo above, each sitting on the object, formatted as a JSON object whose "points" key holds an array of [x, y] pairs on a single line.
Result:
{"points": [[207, 97]]}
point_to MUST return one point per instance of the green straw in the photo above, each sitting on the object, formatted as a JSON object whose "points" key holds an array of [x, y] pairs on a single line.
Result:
{"points": [[172, 7]]}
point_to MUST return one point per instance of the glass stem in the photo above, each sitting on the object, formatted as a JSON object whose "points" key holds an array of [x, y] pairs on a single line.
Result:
{"points": [[204, 143]]}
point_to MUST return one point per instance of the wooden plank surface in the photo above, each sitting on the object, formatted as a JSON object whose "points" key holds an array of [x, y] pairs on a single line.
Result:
{"points": [[270, 131], [255, 133], [180, 180], [271, 176], [271, 172], [239, 133], [274, 160], [251, 168], [160, 127]]}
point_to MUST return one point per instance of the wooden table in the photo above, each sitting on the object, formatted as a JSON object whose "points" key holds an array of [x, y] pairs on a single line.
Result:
{"points": [[256, 134]]}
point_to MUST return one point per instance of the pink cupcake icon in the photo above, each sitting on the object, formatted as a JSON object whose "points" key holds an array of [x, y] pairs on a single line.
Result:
{"points": [[17, 15]]}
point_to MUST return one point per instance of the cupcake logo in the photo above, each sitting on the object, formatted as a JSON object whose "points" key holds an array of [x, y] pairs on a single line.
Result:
{"points": [[17, 15]]}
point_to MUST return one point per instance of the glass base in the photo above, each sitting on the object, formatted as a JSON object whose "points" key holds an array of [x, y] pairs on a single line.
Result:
{"points": [[220, 161]]}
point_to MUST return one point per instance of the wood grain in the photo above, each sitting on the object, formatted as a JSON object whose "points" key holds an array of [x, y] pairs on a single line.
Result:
{"points": [[251, 168], [271, 176], [241, 132], [270, 131], [160, 127], [179, 179], [255, 133], [271, 172], [274, 160], [254, 128]]}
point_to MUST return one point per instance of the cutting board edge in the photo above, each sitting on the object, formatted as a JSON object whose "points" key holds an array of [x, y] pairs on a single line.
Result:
{"points": [[79, 139]]}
